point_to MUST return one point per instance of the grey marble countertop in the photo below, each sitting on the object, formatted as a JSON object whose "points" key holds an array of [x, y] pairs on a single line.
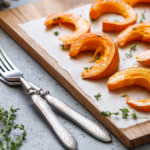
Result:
{"points": [[39, 135]]}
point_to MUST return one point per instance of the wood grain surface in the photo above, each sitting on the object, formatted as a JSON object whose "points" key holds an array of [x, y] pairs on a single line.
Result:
{"points": [[132, 136]]}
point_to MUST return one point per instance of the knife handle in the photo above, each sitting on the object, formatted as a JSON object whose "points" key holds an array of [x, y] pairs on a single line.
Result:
{"points": [[94, 129], [61, 132]]}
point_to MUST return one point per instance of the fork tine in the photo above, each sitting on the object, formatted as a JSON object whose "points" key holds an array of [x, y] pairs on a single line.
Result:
{"points": [[6, 60], [5, 64], [2, 68]]}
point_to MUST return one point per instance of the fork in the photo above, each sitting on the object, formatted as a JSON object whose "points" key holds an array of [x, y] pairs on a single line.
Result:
{"points": [[10, 73], [92, 128]]}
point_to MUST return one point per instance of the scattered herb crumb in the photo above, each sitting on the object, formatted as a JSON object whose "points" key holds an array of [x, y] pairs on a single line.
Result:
{"points": [[64, 47], [97, 96], [124, 95], [141, 21], [99, 35], [116, 20], [92, 19], [58, 18], [125, 113], [56, 33], [86, 68]]}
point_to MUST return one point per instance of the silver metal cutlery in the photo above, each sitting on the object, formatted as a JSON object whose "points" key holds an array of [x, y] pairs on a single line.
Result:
{"points": [[12, 76]]}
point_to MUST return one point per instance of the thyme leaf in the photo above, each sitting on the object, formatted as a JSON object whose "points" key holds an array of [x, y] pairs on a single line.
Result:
{"points": [[86, 68], [57, 18], [56, 33], [124, 95], [97, 96], [115, 20]]}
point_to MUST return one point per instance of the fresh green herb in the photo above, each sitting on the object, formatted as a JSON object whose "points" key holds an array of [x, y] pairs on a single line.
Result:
{"points": [[129, 55], [97, 96], [116, 20], [133, 47], [124, 95], [86, 68], [56, 33], [92, 19], [58, 18], [64, 47], [141, 21], [125, 113], [143, 16], [7, 122]]}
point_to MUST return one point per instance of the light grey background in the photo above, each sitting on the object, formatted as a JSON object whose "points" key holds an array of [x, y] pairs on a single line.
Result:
{"points": [[39, 135]]}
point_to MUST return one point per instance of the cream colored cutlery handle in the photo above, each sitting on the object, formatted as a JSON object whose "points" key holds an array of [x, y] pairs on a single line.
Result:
{"points": [[62, 133]]}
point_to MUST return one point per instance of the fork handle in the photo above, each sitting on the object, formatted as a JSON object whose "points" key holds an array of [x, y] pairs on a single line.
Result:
{"points": [[61, 132], [94, 129]]}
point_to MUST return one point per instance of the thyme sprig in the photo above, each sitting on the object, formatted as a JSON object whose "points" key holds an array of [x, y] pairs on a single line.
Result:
{"points": [[143, 17], [7, 124], [125, 113], [133, 47]]}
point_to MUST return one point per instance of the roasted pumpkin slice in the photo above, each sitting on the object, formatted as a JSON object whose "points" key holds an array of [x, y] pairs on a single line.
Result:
{"points": [[131, 76], [101, 43], [144, 58], [113, 6], [140, 105], [135, 32], [81, 25], [133, 2]]}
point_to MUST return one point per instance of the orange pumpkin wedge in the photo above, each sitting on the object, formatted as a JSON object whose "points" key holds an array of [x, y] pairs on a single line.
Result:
{"points": [[135, 32], [144, 58], [130, 76], [109, 61], [81, 25], [113, 6], [133, 2], [140, 105]]}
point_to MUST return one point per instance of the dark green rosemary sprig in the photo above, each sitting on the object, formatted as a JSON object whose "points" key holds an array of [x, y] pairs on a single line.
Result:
{"points": [[7, 124], [125, 113]]}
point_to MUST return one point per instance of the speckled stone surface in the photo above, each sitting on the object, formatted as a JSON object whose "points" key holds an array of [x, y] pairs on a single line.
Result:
{"points": [[39, 134]]}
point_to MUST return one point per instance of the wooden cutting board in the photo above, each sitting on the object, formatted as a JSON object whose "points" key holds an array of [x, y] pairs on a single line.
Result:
{"points": [[132, 136]]}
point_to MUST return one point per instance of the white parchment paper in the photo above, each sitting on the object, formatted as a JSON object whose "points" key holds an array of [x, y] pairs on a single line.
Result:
{"points": [[109, 101]]}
